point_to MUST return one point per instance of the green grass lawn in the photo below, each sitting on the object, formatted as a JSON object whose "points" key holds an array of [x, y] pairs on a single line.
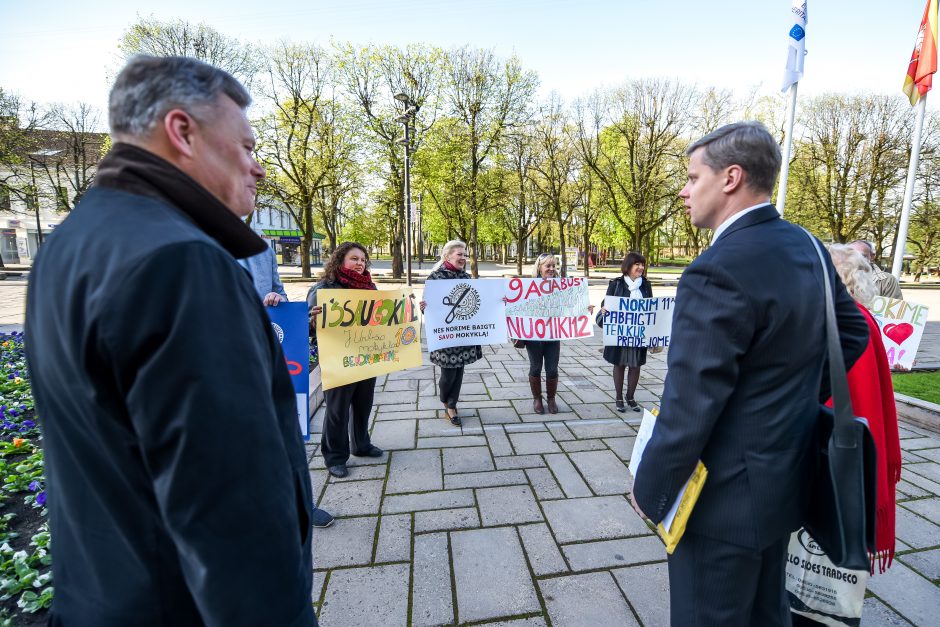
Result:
{"points": [[922, 385]]}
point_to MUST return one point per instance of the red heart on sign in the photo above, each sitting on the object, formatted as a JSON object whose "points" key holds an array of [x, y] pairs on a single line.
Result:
{"points": [[898, 332]]}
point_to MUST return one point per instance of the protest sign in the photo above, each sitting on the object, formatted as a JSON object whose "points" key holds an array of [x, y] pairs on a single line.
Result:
{"points": [[638, 322], [902, 325], [548, 309], [365, 333], [464, 312], [289, 321]]}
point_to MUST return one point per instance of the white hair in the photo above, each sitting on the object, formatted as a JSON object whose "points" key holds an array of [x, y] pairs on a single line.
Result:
{"points": [[855, 272], [446, 250]]}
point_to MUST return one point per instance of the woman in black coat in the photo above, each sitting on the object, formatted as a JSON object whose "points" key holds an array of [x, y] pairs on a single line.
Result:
{"points": [[633, 284], [452, 360], [348, 268]]}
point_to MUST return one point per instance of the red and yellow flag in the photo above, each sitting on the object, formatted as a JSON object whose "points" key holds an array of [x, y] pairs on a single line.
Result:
{"points": [[923, 63]]}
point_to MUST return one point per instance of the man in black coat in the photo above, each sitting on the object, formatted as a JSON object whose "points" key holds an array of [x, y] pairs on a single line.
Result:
{"points": [[177, 478], [745, 363]]}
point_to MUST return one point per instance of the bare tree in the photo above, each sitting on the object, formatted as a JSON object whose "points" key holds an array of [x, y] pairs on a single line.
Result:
{"points": [[633, 139], [373, 75], [70, 152], [296, 87], [554, 169], [181, 38], [489, 97], [852, 157]]}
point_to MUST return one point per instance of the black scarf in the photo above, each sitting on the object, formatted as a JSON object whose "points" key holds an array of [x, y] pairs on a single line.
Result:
{"points": [[137, 171]]}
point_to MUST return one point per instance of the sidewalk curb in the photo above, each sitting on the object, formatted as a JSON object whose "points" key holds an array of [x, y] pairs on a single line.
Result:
{"points": [[918, 412]]}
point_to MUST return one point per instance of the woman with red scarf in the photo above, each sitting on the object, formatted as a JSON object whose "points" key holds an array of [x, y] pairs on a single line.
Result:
{"points": [[348, 268], [872, 395]]}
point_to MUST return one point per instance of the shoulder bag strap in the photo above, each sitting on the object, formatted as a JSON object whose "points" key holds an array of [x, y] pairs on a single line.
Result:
{"points": [[841, 401]]}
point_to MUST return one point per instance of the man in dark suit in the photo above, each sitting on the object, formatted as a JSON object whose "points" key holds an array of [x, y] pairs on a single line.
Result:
{"points": [[742, 391], [178, 486]]}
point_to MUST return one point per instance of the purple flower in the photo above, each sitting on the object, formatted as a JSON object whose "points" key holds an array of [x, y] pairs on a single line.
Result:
{"points": [[41, 498], [29, 424], [13, 412], [34, 486], [10, 376]]}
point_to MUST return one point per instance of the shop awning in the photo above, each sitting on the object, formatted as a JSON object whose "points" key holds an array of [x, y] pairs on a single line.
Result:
{"points": [[288, 233]]}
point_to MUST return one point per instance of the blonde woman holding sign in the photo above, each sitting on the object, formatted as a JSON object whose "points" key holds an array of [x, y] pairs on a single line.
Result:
{"points": [[452, 360], [546, 352], [633, 284]]}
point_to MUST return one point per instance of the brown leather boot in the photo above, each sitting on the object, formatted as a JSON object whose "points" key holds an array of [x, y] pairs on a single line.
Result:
{"points": [[535, 384], [551, 386]]}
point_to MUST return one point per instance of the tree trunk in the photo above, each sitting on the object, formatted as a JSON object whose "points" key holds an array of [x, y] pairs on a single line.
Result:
{"points": [[586, 242], [474, 265]]}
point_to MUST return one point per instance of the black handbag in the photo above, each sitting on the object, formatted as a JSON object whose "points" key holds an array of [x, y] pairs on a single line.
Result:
{"points": [[840, 511], [517, 343]]}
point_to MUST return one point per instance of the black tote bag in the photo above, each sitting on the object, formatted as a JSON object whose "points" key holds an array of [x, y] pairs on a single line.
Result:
{"points": [[840, 511]]}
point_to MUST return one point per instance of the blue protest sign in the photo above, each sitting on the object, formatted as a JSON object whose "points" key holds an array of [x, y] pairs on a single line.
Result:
{"points": [[289, 321]]}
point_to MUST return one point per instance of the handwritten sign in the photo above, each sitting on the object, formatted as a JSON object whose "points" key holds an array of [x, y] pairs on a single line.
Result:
{"points": [[289, 322], [464, 312], [638, 322], [365, 333], [548, 309], [902, 325]]}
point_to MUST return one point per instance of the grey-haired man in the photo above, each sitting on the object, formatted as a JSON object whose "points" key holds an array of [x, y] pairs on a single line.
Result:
{"points": [[886, 283], [178, 485]]}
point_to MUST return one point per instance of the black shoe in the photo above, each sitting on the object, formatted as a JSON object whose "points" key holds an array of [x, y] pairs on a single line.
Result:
{"points": [[321, 518], [454, 419], [338, 470], [373, 451], [633, 405], [620, 406]]}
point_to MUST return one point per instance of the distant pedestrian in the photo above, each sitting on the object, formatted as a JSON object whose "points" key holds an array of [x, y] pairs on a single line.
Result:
{"points": [[632, 284], [452, 360], [264, 275], [179, 492], [886, 284], [263, 270], [347, 268]]}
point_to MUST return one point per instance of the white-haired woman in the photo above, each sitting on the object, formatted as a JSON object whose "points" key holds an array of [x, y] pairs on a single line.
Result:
{"points": [[872, 395], [452, 360]]}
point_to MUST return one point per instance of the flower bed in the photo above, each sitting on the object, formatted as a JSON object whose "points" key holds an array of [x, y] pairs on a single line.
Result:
{"points": [[25, 562]]}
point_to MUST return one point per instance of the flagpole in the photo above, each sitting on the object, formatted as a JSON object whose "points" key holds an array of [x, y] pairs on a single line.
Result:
{"points": [[901, 244], [787, 148]]}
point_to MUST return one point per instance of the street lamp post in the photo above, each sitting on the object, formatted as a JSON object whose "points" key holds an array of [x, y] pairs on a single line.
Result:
{"points": [[410, 110]]}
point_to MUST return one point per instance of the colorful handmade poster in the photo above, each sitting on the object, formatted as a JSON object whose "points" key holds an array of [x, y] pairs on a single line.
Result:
{"points": [[366, 333], [289, 321], [902, 325], [638, 322], [464, 312], [548, 309]]}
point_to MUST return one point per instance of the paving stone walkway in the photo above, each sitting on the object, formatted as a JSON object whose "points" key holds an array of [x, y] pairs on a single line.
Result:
{"points": [[522, 519]]}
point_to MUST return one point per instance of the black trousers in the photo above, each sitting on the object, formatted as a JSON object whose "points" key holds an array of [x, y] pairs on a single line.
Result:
{"points": [[543, 351], [713, 583], [354, 398], [449, 386]]}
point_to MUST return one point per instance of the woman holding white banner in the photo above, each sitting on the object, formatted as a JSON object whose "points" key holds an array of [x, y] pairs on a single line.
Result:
{"points": [[452, 360], [633, 284], [348, 268]]}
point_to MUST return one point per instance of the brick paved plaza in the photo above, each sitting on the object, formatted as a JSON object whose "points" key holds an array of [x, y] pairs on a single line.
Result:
{"points": [[522, 519]]}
